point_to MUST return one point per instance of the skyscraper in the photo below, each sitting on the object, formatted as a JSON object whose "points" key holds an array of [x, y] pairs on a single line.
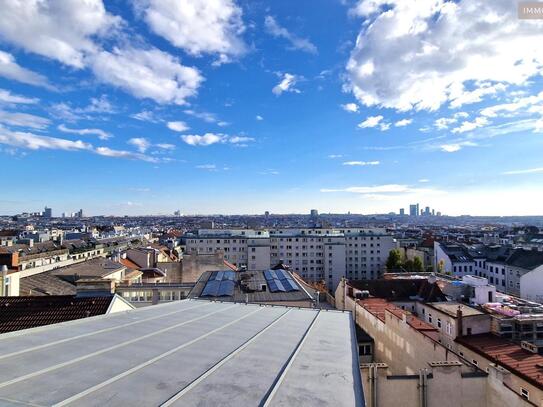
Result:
{"points": [[402, 211], [414, 210], [47, 212]]}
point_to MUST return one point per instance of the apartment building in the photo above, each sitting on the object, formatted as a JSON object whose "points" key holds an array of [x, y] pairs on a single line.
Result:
{"points": [[514, 271], [317, 254]]}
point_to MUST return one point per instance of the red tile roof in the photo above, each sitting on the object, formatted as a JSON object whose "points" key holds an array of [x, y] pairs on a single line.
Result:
{"points": [[129, 264], [507, 354], [379, 307], [18, 313]]}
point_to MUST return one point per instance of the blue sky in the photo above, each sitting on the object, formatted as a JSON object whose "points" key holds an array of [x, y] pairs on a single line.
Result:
{"points": [[231, 106]]}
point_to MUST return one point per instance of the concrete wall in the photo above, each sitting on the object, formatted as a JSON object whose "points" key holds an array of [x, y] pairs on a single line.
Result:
{"points": [[445, 386], [531, 285]]}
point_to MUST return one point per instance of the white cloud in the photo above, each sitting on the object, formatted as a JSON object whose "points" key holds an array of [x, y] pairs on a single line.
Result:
{"points": [[178, 126], [197, 26], [240, 139], [205, 140], [520, 104], [371, 121], [333, 156], [350, 107], [141, 143], [424, 180], [207, 166], [11, 70], [361, 163], [23, 120], [34, 142], [259, 118], [527, 171], [61, 30], [375, 189], [205, 116], [454, 147], [108, 152], [102, 135], [147, 73], [420, 55], [7, 97], [165, 146], [297, 43], [384, 126], [403, 122], [444, 122], [145, 116], [468, 126], [212, 138], [286, 84], [66, 111], [468, 97]]}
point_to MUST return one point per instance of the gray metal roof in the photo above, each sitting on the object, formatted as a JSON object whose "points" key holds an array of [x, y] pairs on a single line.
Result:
{"points": [[186, 353]]}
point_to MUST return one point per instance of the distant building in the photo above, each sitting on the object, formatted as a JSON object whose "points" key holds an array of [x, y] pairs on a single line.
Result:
{"points": [[314, 213], [402, 211], [47, 212], [414, 210]]}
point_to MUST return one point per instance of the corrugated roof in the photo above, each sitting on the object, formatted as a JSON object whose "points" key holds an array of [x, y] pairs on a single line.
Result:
{"points": [[187, 353], [18, 313]]}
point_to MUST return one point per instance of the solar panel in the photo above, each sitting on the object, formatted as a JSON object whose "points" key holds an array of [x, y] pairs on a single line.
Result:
{"points": [[226, 288], [211, 288]]}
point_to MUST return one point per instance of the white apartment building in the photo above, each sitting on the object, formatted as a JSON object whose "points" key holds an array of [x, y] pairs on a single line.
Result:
{"points": [[314, 253]]}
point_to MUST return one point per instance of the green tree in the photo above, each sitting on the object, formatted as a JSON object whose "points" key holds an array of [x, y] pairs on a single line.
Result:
{"points": [[394, 260], [417, 265], [409, 265]]}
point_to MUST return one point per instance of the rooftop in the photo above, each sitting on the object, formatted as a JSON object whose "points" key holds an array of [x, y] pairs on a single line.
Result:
{"points": [[17, 313], [187, 353], [451, 308], [400, 289], [98, 267], [507, 354]]}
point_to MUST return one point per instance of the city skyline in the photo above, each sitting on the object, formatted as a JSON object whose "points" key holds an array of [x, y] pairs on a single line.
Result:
{"points": [[343, 106]]}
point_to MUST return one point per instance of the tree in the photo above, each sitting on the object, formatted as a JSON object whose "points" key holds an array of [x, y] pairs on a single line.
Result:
{"points": [[409, 265], [417, 265], [394, 260]]}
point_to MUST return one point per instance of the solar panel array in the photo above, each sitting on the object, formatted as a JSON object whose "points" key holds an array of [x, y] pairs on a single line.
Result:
{"points": [[280, 281], [220, 284]]}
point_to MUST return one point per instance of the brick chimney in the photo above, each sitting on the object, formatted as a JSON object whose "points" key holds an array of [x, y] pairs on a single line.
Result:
{"points": [[459, 323]]}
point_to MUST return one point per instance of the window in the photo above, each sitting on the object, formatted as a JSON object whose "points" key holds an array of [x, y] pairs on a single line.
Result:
{"points": [[364, 350], [475, 362], [524, 393], [430, 318], [439, 322]]}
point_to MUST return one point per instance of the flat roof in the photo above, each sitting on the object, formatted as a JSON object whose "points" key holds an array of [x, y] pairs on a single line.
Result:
{"points": [[451, 308], [186, 353]]}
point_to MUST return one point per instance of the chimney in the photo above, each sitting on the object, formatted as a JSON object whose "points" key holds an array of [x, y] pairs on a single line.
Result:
{"points": [[3, 274], [94, 287], [459, 323]]}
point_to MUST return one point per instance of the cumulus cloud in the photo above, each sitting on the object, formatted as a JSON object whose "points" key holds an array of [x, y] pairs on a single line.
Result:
{"points": [[214, 138], [371, 121], [197, 26], [361, 163], [145, 116], [204, 140], [350, 107], [60, 30], [420, 55], [286, 84], [468, 126], [24, 120], [102, 135], [403, 122], [259, 118], [141, 143], [454, 147], [296, 43], [11, 70], [178, 126], [147, 73]]}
